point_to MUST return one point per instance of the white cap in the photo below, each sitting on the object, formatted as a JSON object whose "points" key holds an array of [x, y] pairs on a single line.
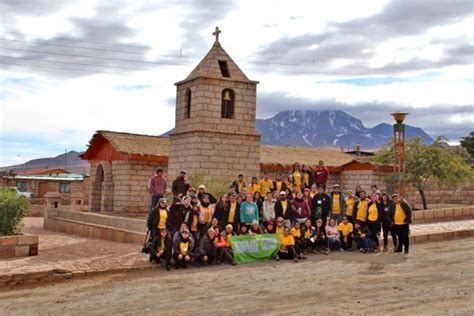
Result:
{"points": [[202, 186]]}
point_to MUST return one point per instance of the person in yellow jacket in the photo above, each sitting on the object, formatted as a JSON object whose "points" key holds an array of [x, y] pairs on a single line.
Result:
{"points": [[400, 215], [266, 184], [254, 186], [361, 208], [298, 177], [346, 229], [287, 246], [350, 202]]}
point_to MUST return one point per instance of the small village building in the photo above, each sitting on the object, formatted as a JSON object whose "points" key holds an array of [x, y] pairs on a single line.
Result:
{"points": [[73, 188], [121, 165]]}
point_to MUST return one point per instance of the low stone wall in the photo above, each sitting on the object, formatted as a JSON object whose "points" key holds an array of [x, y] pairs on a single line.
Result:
{"points": [[462, 194], [443, 214], [18, 246], [101, 226], [440, 236]]}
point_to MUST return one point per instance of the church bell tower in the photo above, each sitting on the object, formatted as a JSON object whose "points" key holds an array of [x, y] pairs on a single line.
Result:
{"points": [[215, 135]]}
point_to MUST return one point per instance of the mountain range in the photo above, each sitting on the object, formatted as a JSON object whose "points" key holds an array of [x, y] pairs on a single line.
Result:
{"points": [[71, 161], [328, 129], [296, 128]]}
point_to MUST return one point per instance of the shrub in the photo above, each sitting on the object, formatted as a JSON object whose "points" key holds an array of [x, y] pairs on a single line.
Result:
{"points": [[12, 210], [216, 188]]}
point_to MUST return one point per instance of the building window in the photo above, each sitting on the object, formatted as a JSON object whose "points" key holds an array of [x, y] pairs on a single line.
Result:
{"points": [[224, 69], [187, 101], [227, 110], [64, 188], [21, 186]]}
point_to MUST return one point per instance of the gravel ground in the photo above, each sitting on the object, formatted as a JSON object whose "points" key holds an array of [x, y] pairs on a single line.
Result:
{"points": [[435, 278]]}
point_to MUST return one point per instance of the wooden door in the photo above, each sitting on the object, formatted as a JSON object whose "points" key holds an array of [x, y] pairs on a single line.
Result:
{"points": [[42, 189]]}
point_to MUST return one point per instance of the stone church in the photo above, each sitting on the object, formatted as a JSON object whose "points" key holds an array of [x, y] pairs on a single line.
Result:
{"points": [[215, 133], [215, 138]]}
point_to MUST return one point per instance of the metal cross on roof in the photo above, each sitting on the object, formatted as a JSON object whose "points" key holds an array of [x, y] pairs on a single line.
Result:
{"points": [[216, 33]]}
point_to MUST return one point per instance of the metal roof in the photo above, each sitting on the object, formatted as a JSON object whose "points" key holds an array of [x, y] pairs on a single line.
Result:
{"points": [[55, 177]]}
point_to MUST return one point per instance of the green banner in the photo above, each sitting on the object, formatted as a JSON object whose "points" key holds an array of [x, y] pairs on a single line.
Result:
{"points": [[255, 248]]}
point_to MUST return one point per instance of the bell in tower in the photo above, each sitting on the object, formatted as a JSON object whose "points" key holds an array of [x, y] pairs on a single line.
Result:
{"points": [[215, 135]]}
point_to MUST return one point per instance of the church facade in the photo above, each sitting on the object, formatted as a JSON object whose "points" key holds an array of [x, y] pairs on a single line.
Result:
{"points": [[215, 135]]}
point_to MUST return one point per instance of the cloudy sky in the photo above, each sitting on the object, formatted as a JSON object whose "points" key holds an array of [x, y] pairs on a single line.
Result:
{"points": [[69, 68]]}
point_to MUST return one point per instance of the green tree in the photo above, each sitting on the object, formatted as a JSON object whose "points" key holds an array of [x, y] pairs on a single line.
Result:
{"points": [[427, 162], [468, 143], [12, 210]]}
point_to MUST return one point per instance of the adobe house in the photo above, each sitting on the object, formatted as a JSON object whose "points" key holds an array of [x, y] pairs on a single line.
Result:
{"points": [[72, 188], [121, 165]]}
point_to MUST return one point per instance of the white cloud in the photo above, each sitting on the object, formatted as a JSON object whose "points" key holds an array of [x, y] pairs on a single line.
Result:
{"points": [[68, 110]]}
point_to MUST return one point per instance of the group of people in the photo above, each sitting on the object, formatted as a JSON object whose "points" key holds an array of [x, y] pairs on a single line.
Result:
{"points": [[196, 227]]}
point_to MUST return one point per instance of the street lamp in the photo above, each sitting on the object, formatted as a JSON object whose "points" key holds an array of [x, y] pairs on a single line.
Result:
{"points": [[399, 149]]}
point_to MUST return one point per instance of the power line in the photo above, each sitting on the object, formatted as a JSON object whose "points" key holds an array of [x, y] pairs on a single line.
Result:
{"points": [[86, 41], [61, 68], [92, 57], [72, 63], [121, 59], [76, 47], [319, 68], [312, 61]]}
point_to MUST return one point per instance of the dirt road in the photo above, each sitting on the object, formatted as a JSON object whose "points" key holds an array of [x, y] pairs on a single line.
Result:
{"points": [[436, 278]]}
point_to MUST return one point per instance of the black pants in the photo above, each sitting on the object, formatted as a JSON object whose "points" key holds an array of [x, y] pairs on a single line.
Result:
{"points": [[374, 228], [307, 243], [321, 243], [289, 254], [299, 245], [181, 262], [348, 244], [210, 259], [166, 255], [324, 218], [387, 228], [202, 229], [402, 232], [224, 253]]}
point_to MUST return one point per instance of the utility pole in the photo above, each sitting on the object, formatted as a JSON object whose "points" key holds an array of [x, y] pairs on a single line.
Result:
{"points": [[65, 159]]}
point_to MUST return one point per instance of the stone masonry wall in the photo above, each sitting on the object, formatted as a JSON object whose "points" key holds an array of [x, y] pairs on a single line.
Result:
{"points": [[365, 178], [216, 156], [462, 194], [206, 101], [102, 188], [208, 145], [131, 196]]}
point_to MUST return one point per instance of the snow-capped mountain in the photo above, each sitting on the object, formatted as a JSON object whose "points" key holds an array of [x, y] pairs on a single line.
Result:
{"points": [[327, 129]]}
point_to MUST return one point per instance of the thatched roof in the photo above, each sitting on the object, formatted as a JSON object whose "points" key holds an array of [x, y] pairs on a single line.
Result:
{"points": [[288, 155], [147, 145], [137, 144]]}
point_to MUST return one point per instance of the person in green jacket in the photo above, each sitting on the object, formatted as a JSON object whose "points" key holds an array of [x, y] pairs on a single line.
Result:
{"points": [[248, 211]]}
